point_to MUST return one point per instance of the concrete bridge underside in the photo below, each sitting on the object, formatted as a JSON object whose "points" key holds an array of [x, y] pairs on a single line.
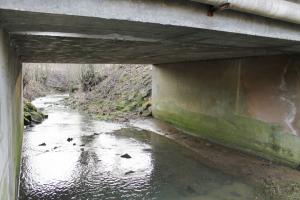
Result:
{"points": [[139, 31], [232, 78]]}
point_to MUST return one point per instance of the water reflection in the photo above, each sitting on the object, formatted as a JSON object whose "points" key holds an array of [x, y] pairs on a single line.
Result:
{"points": [[91, 167]]}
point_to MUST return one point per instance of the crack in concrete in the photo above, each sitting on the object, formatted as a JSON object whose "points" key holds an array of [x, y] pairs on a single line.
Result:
{"points": [[291, 114]]}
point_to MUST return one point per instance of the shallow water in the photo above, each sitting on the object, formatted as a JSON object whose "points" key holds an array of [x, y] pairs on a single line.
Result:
{"points": [[91, 166]]}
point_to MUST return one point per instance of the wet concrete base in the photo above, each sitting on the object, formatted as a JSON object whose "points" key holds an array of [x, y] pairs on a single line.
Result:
{"points": [[277, 181], [11, 121], [249, 104]]}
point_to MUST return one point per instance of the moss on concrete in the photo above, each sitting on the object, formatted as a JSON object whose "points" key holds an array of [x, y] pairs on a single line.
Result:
{"points": [[235, 131], [239, 103], [4, 188], [11, 119]]}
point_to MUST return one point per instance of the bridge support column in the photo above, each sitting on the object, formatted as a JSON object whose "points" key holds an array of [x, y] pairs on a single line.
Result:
{"points": [[11, 118], [250, 104]]}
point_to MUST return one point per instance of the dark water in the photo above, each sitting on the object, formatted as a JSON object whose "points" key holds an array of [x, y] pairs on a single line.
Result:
{"points": [[158, 168]]}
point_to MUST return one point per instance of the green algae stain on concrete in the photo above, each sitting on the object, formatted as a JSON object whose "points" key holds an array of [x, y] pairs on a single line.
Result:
{"points": [[18, 122], [238, 132], [4, 188], [11, 115], [237, 103]]}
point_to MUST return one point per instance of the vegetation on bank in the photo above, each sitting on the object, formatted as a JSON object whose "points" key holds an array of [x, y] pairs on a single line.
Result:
{"points": [[113, 92], [32, 115], [106, 92], [40, 80]]}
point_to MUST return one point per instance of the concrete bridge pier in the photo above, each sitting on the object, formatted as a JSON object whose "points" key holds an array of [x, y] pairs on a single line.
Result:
{"points": [[11, 118], [250, 104]]}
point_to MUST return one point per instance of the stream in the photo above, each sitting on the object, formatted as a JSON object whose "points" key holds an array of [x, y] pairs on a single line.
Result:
{"points": [[85, 159]]}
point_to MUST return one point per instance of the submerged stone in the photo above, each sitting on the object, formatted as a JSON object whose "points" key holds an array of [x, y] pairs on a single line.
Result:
{"points": [[147, 150], [129, 172], [126, 156], [190, 189]]}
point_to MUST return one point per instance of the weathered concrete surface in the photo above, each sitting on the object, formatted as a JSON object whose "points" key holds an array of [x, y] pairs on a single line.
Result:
{"points": [[139, 31], [249, 104], [11, 119]]}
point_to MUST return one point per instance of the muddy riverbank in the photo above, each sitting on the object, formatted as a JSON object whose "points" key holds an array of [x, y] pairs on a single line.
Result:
{"points": [[277, 181]]}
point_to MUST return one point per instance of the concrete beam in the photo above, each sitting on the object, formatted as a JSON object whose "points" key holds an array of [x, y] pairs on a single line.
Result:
{"points": [[11, 118], [249, 104], [174, 13], [136, 31], [81, 48]]}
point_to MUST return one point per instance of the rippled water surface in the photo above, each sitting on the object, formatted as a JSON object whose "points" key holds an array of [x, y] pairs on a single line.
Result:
{"points": [[91, 167]]}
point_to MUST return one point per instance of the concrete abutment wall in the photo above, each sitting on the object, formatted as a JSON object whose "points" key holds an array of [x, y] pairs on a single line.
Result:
{"points": [[250, 104], [11, 118]]}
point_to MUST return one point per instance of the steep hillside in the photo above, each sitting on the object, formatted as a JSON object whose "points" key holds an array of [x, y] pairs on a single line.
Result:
{"points": [[114, 92]]}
